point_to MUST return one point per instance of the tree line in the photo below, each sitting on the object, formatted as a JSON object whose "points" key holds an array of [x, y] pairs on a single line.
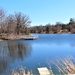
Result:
{"points": [[16, 23], [57, 28]]}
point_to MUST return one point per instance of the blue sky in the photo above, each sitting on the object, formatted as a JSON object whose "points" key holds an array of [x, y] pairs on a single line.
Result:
{"points": [[42, 11]]}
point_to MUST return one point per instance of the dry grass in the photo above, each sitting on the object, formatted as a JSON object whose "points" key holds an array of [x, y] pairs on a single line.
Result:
{"points": [[21, 71], [64, 65]]}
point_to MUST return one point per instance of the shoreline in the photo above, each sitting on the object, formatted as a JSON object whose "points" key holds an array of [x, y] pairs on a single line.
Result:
{"points": [[17, 37], [24, 37]]}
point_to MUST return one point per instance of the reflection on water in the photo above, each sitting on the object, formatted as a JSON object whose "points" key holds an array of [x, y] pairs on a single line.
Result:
{"points": [[10, 51], [32, 54], [63, 65]]}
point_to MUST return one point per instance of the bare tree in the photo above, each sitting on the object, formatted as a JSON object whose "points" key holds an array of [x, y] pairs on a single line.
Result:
{"points": [[22, 22], [2, 13], [2, 19], [14, 23], [10, 24]]}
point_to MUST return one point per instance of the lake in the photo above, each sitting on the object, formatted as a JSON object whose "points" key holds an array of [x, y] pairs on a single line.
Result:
{"points": [[49, 50]]}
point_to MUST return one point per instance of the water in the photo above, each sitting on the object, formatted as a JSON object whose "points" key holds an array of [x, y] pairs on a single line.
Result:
{"points": [[32, 54]]}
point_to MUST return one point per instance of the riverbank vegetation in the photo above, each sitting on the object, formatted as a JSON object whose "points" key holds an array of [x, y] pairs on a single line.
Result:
{"points": [[54, 29], [13, 25], [63, 65], [16, 24], [60, 65], [21, 71]]}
